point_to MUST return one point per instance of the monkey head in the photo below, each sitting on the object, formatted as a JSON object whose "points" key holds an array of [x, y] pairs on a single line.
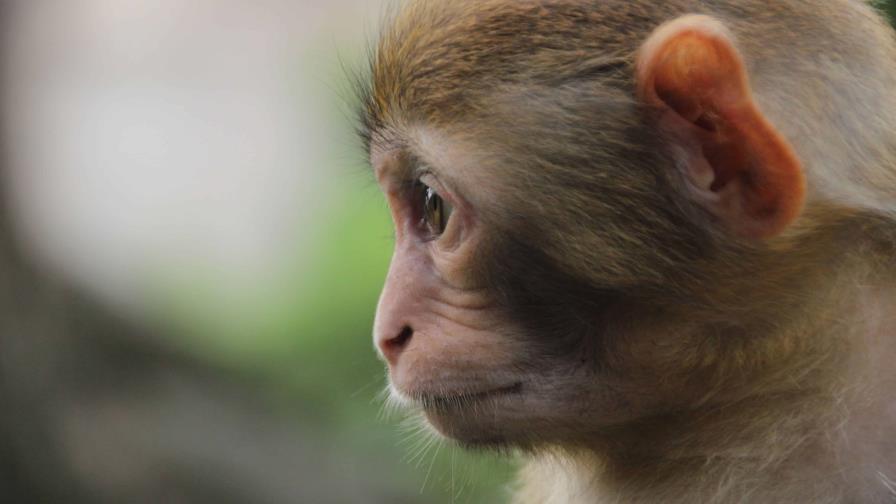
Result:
{"points": [[561, 196]]}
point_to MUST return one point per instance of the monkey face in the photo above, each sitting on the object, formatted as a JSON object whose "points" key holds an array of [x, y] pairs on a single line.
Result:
{"points": [[491, 343], [448, 346]]}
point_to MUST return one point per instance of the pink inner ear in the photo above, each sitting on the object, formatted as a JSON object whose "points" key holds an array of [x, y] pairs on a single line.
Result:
{"points": [[691, 71]]}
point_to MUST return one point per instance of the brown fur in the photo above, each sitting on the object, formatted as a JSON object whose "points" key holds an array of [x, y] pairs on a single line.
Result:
{"points": [[732, 370]]}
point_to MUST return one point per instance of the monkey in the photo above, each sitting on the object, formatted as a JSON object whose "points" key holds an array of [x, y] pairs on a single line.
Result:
{"points": [[649, 247]]}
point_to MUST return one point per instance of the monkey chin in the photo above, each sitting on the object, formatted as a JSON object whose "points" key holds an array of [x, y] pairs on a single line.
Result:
{"points": [[471, 420]]}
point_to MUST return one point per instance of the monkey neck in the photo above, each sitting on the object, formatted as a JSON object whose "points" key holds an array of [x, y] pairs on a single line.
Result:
{"points": [[829, 438], [801, 409]]}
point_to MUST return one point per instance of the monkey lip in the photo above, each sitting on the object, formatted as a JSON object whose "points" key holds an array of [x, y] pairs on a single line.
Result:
{"points": [[469, 417], [464, 398]]}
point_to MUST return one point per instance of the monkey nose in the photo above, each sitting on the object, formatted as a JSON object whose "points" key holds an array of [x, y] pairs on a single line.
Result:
{"points": [[393, 347]]}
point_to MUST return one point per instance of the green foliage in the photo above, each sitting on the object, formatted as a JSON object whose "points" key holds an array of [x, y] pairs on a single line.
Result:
{"points": [[886, 6]]}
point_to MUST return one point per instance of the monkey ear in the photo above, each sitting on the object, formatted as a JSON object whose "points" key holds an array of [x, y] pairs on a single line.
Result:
{"points": [[742, 169]]}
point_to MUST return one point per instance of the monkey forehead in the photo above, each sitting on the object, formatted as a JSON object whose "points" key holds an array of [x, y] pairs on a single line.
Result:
{"points": [[440, 59], [457, 160]]}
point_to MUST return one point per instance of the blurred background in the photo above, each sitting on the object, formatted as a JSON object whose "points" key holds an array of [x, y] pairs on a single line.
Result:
{"points": [[191, 249]]}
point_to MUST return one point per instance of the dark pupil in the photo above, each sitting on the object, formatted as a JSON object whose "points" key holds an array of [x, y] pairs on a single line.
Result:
{"points": [[433, 211]]}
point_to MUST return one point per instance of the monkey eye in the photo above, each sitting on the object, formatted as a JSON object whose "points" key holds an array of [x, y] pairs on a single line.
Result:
{"points": [[435, 211]]}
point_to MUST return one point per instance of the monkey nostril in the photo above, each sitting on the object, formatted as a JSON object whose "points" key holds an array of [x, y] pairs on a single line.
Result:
{"points": [[393, 347], [399, 342]]}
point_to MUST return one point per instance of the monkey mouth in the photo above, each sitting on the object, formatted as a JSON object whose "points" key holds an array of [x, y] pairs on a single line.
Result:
{"points": [[464, 399]]}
